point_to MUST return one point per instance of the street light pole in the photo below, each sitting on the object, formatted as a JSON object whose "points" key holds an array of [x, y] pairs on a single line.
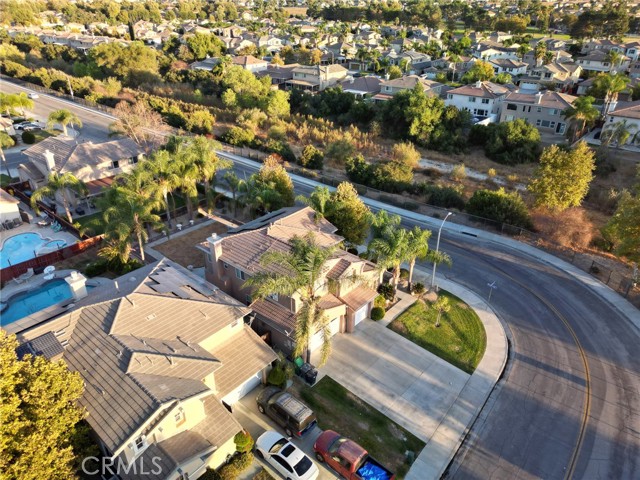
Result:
{"points": [[433, 275]]}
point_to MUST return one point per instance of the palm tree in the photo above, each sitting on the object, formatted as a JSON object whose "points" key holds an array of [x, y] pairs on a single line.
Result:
{"points": [[540, 50], [391, 250], [381, 220], [618, 133], [442, 306], [127, 218], [522, 50], [160, 169], [454, 58], [318, 200], [64, 118], [5, 142], [186, 173], [304, 266], [203, 154], [613, 85], [581, 112], [418, 249], [232, 182], [23, 102], [59, 183], [615, 58]]}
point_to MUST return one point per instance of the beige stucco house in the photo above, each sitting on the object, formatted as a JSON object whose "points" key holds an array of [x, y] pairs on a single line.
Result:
{"points": [[542, 109], [347, 288], [316, 78], [164, 355], [8, 207]]}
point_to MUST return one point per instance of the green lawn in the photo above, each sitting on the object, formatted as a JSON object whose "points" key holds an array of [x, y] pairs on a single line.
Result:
{"points": [[340, 410], [94, 223], [460, 339], [4, 180]]}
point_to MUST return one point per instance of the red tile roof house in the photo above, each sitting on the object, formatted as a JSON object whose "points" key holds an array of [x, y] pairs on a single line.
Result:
{"points": [[161, 353], [234, 257]]}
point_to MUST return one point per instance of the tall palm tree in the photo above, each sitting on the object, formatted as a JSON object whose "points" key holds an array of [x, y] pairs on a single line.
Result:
{"points": [[187, 174], [202, 151], [522, 50], [232, 182], [581, 112], [5, 142], [161, 171], [613, 85], [382, 220], [304, 266], [454, 58], [618, 133], [127, 218], [318, 200], [615, 58], [63, 184], [23, 102], [418, 249], [63, 118], [391, 250]]}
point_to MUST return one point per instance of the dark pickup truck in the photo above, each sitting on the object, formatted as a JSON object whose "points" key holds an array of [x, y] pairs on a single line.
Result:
{"points": [[348, 458]]}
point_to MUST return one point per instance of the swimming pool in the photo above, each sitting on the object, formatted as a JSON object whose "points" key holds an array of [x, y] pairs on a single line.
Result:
{"points": [[26, 303], [26, 246]]}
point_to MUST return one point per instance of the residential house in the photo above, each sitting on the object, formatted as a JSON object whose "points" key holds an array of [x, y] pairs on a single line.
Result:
{"points": [[250, 63], [634, 70], [632, 50], [487, 50], [482, 99], [279, 74], [316, 78], [542, 109], [362, 87], [598, 61], [508, 65], [271, 43], [8, 207], [207, 64], [96, 164], [500, 37], [390, 87], [233, 258], [164, 356], [563, 75], [628, 112]]}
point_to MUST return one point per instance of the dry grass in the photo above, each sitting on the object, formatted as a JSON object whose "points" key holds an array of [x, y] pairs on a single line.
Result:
{"points": [[182, 249]]}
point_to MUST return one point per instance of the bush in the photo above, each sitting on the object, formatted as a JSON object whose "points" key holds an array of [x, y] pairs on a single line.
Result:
{"points": [[380, 302], [244, 442], [514, 142], [234, 467], [459, 173], [96, 268], [238, 136], [352, 251], [570, 228], [500, 206], [29, 138], [387, 291], [277, 376], [281, 148], [404, 274], [377, 313], [419, 288], [445, 197], [311, 158]]}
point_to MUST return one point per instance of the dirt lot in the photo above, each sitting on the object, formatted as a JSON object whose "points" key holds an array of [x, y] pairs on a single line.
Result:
{"points": [[182, 249]]}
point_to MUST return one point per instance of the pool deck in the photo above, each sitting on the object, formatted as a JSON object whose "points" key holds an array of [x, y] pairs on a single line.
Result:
{"points": [[12, 288], [44, 232]]}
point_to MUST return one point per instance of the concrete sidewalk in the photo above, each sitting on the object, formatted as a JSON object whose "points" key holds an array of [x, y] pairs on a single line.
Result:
{"points": [[405, 300]]}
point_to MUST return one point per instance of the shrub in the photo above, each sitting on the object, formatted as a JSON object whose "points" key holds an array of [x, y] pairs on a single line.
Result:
{"points": [[513, 142], [406, 154], [404, 274], [29, 138], [501, 207], [311, 158], [491, 173], [96, 268], [244, 442], [340, 150], [281, 148], [458, 173], [380, 302], [234, 467], [445, 197], [570, 228], [377, 313], [277, 376], [419, 288], [387, 291], [239, 136]]}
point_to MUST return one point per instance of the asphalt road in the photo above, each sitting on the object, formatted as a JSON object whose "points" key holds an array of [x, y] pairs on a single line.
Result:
{"points": [[568, 405]]}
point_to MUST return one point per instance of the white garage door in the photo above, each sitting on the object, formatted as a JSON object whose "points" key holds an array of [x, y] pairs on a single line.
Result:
{"points": [[361, 314], [316, 340], [243, 389]]}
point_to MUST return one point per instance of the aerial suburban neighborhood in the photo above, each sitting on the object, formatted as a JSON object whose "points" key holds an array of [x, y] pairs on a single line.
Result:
{"points": [[319, 239]]}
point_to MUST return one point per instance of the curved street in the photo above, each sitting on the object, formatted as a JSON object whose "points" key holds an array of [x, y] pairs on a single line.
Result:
{"points": [[568, 405]]}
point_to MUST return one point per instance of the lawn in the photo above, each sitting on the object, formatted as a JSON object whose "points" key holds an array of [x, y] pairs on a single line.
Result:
{"points": [[94, 223], [340, 410], [460, 339], [42, 134]]}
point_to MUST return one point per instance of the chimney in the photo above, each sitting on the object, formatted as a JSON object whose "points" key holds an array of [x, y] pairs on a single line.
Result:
{"points": [[478, 84], [538, 97], [49, 160], [215, 247], [77, 284]]}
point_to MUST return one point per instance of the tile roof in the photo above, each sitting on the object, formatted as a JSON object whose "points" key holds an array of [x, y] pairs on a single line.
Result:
{"points": [[358, 297], [244, 60], [627, 110], [329, 301], [277, 315], [546, 99], [484, 90]]}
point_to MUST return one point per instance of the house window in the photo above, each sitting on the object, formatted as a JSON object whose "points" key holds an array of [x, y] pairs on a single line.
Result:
{"points": [[449, 96], [240, 274], [485, 101], [116, 164], [538, 121], [547, 75], [552, 124], [133, 160], [512, 106], [139, 445], [179, 417], [226, 265], [553, 111], [545, 123], [184, 476], [539, 109], [472, 99]]}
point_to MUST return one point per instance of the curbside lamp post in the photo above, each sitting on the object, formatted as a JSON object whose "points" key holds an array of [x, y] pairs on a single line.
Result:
{"points": [[433, 275]]}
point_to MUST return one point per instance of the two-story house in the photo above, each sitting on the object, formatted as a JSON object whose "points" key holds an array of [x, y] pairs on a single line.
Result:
{"points": [[163, 355], [542, 109], [563, 75], [510, 66], [628, 112], [389, 88], [599, 61], [232, 258], [482, 99], [316, 78], [93, 163]]}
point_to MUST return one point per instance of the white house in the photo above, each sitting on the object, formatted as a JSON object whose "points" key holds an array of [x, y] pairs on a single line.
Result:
{"points": [[482, 99], [598, 61], [508, 65], [628, 112], [250, 63]]}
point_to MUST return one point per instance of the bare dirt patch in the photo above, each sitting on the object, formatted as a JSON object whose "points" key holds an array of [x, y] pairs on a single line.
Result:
{"points": [[182, 249]]}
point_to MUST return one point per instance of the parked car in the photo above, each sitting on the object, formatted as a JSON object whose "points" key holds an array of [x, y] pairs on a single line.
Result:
{"points": [[288, 460], [26, 126], [33, 95], [348, 458], [287, 411]]}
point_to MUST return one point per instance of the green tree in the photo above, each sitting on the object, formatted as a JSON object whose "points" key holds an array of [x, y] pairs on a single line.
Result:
{"points": [[273, 176], [311, 158], [276, 104], [395, 72], [581, 113], [391, 249], [562, 178], [418, 249], [349, 214], [406, 154], [480, 71], [62, 184], [117, 60], [512, 142], [319, 200], [305, 267], [200, 122], [203, 45], [623, 229], [441, 305], [382, 220], [63, 118], [500, 206], [162, 174], [618, 133], [5, 142], [40, 415]]}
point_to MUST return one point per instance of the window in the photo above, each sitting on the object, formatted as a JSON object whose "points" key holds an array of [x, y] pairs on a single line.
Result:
{"points": [[552, 124], [538, 121], [512, 106], [179, 417], [133, 160], [183, 476], [485, 101], [139, 445], [248, 299], [472, 99], [547, 75], [240, 274], [449, 96], [115, 164], [226, 265], [282, 463], [553, 111], [509, 118], [539, 109], [545, 123]]}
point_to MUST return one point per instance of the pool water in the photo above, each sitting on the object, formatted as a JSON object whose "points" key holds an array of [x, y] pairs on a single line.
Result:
{"points": [[23, 246], [26, 303]]}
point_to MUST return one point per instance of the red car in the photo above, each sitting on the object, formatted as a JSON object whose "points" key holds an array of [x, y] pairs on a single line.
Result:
{"points": [[348, 458]]}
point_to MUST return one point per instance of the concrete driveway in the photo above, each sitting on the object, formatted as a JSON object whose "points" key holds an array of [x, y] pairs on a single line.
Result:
{"points": [[246, 412], [408, 384]]}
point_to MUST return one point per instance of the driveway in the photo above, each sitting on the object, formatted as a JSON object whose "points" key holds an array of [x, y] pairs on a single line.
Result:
{"points": [[246, 412], [408, 384]]}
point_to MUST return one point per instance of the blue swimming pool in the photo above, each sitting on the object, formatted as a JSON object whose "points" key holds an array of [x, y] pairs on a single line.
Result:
{"points": [[26, 246], [26, 303]]}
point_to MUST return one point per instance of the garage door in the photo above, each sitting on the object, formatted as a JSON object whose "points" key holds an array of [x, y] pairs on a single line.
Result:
{"points": [[316, 340], [243, 389], [361, 314]]}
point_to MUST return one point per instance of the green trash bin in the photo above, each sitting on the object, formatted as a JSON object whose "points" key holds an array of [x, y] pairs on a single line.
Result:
{"points": [[298, 362]]}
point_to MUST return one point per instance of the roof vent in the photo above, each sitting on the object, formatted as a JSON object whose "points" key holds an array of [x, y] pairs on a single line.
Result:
{"points": [[151, 316]]}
